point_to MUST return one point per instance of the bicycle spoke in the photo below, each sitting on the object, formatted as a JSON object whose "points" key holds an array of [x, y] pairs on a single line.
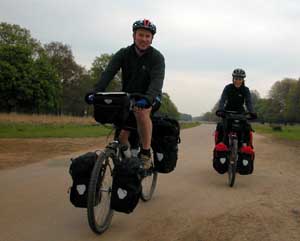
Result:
{"points": [[232, 163], [149, 184], [99, 212]]}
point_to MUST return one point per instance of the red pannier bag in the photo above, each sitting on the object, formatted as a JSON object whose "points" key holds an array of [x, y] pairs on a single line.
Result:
{"points": [[245, 163], [220, 159]]}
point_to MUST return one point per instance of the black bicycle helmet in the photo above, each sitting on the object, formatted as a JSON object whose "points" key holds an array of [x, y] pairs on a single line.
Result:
{"points": [[239, 73], [145, 24]]}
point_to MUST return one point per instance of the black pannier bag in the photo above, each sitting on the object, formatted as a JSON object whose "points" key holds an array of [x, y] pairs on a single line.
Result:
{"points": [[245, 163], [80, 170], [165, 140], [220, 158], [111, 108], [126, 187]]}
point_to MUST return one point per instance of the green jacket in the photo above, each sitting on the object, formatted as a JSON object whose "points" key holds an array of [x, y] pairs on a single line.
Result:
{"points": [[140, 74]]}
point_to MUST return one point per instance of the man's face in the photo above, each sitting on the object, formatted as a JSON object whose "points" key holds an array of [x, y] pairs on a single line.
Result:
{"points": [[142, 38], [238, 81]]}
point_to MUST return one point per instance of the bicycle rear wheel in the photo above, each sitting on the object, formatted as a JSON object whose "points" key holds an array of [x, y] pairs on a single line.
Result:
{"points": [[98, 206], [232, 163], [149, 184]]}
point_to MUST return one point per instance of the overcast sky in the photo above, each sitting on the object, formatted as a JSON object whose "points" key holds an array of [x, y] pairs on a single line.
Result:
{"points": [[202, 41]]}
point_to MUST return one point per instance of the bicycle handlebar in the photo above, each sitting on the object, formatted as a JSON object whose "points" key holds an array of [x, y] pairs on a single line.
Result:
{"points": [[227, 114], [133, 97]]}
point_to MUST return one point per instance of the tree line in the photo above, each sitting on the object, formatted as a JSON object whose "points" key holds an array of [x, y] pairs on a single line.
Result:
{"points": [[45, 78], [281, 106]]}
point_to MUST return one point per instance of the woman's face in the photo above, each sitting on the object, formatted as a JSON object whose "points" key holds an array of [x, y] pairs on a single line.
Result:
{"points": [[238, 81]]}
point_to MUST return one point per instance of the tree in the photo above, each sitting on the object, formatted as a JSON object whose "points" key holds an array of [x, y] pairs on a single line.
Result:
{"points": [[74, 79], [98, 66], [255, 96], [46, 87], [25, 73], [14, 35], [292, 113], [16, 67], [279, 93], [168, 107], [61, 57], [74, 95], [185, 117], [261, 108]]}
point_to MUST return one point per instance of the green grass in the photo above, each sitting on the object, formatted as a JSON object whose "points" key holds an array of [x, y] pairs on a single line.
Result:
{"points": [[29, 130], [69, 130], [288, 132]]}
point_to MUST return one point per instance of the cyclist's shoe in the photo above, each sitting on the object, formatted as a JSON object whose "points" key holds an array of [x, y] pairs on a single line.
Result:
{"points": [[146, 160]]}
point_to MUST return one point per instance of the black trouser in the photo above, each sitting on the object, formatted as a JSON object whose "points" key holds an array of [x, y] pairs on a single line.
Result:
{"points": [[244, 136]]}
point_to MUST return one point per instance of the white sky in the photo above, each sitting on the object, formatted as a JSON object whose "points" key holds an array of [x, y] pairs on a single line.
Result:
{"points": [[202, 41]]}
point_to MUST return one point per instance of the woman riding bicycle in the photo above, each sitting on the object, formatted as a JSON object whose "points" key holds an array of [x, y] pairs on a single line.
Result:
{"points": [[233, 98], [143, 71]]}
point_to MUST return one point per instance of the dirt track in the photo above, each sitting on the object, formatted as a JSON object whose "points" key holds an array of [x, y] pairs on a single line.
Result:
{"points": [[191, 204]]}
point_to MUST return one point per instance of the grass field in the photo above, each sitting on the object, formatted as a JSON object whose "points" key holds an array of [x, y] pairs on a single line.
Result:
{"points": [[44, 119], [46, 126], [288, 132], [26, 130]]}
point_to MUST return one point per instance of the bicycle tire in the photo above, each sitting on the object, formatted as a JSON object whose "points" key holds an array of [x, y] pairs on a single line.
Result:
{"points": [[99, 193], [149, 183], [148, 186], [232, 163]]}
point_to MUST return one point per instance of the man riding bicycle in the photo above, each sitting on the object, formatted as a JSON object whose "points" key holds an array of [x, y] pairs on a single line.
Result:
{"points": [[143, 71], [233, 98]]}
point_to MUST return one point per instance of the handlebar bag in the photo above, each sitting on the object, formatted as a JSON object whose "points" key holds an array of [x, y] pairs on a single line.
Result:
{"points": [[111, 108]]}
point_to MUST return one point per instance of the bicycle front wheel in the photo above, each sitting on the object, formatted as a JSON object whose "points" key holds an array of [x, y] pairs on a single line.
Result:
{"points": [[232, 163], [98, 206], [149, 184]]}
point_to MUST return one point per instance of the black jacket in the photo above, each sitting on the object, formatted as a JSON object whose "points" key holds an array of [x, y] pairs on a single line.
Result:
{"points": [[140, 74], [234, 99]]}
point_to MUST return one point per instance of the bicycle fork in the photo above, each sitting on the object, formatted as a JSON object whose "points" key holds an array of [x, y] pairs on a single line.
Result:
{"points": [[233, 144]]}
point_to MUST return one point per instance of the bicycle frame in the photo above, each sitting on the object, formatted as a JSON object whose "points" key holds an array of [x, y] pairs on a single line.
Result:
{"points": [[233, 126], [233, 157], [111, 156]]}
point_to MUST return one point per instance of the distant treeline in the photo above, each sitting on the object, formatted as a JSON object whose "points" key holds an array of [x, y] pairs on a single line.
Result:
{"points": [[45, 79], [281, 106]]}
